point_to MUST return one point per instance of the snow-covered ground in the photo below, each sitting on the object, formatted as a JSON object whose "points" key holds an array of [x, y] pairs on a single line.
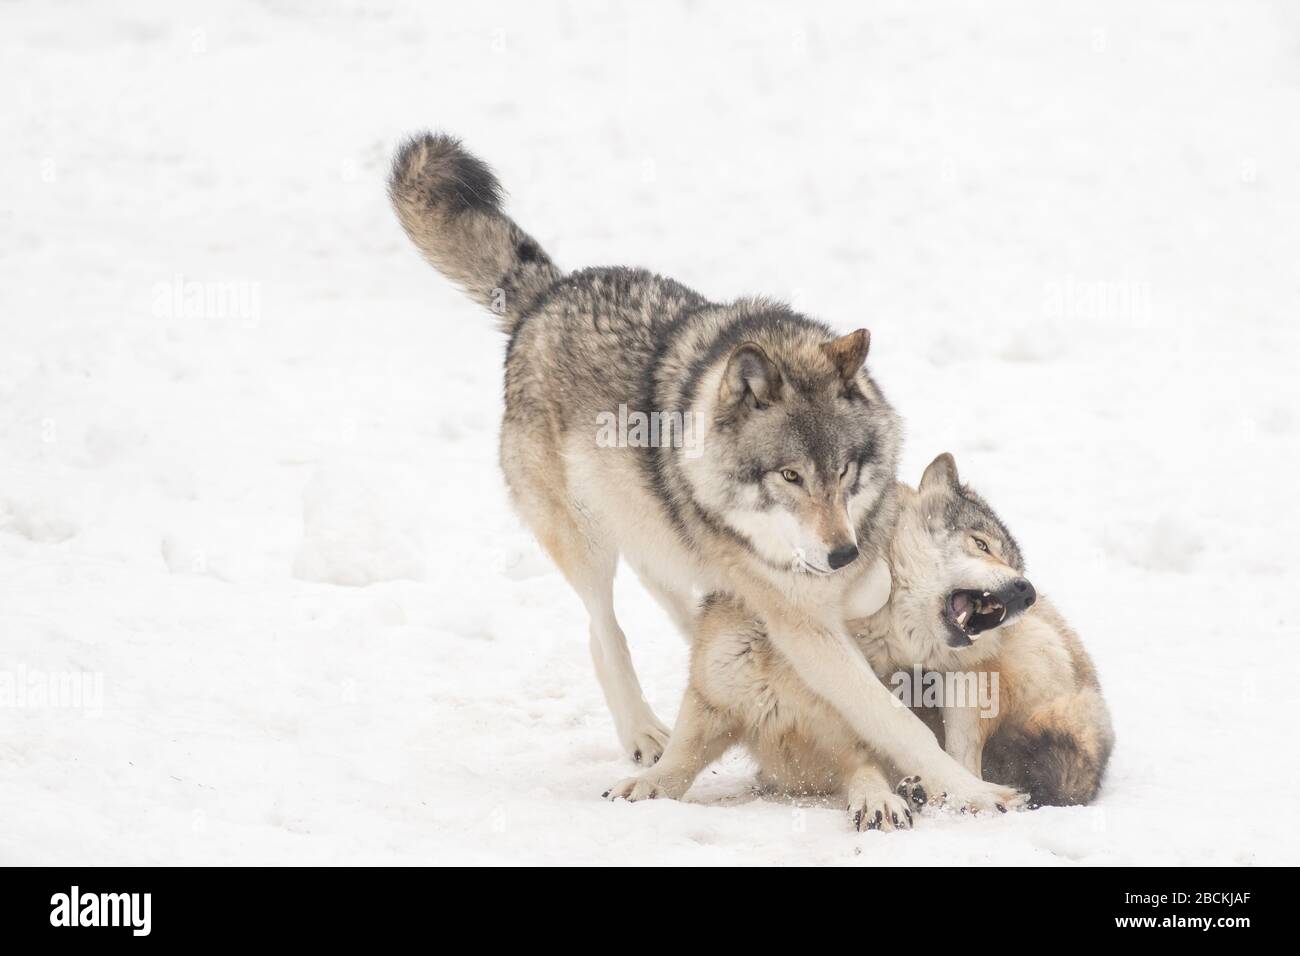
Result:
{"points": [[248, 489]]}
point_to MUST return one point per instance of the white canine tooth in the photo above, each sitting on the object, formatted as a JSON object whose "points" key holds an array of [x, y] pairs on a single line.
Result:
{"points": [[961, 618], [1004, 616]]}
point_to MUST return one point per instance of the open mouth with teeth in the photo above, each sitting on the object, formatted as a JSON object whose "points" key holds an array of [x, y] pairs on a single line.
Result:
{"points": [[970, 613]]}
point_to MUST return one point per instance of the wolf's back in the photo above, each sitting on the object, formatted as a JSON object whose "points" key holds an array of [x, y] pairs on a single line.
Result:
{"points": [[449, 203]]}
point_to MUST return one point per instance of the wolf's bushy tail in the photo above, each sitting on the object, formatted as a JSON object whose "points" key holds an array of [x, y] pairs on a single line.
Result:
{"points": [[1059, 756], [449, 203]]}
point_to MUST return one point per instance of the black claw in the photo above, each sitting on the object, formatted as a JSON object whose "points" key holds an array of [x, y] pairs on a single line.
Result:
{"points": [[894, 817], [908, 814], [912, 791], [1001, 808], [857, 820], [606, 793]]}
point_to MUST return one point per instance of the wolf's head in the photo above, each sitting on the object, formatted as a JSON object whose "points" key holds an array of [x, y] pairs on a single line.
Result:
{"points": [[958, 573], [802, 447]]}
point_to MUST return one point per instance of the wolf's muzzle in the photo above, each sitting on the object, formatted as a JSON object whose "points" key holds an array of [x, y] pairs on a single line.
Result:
{"points": [[1018, 596], [970, 613]]}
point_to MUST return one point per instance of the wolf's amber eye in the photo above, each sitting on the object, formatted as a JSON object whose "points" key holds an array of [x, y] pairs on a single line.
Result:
{"points": [[790, 475], [981, 544]]}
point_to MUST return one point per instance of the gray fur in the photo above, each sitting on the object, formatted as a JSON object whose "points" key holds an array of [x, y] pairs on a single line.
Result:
{"points": [[449, 204], [964, 510]]}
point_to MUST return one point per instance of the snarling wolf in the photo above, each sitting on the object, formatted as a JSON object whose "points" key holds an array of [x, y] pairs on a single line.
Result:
{"points": [[960, 605], [787, 502]]}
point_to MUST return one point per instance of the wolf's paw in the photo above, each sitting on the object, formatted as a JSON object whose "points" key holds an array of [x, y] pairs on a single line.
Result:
{"points": [[880, 810], [981, 798], [646, 743], [912, 791], [644, 787]]}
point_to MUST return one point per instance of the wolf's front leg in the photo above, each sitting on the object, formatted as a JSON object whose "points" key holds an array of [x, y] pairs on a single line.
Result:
{"points": [[701, 735], [832, 667], [963, 737], [872, 804]]}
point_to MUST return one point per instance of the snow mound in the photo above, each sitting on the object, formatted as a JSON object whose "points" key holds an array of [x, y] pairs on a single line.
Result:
{"points": [[353, 535], [185, 555], [36, 521], [1166, 544]]}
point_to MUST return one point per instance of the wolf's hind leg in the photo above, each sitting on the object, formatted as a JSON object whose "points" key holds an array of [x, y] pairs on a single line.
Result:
{"points": [[641, 733], [588, 562], [1059, 754], [700, 736]]}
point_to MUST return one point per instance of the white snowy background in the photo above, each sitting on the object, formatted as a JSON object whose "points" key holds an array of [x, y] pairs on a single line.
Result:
{"points": [[276, 534]]}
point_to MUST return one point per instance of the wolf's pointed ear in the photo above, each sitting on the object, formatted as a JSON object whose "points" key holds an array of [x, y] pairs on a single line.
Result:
{"points": [[941, 475], [848, 352], [750, 377]]}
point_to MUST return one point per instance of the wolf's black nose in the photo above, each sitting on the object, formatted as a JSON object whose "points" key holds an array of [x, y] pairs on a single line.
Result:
{"points": [[842, 556], [1025, 594]]}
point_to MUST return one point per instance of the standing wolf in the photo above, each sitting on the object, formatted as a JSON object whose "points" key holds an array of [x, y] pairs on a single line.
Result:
{"points": [[960, 606], [785, 498]]}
